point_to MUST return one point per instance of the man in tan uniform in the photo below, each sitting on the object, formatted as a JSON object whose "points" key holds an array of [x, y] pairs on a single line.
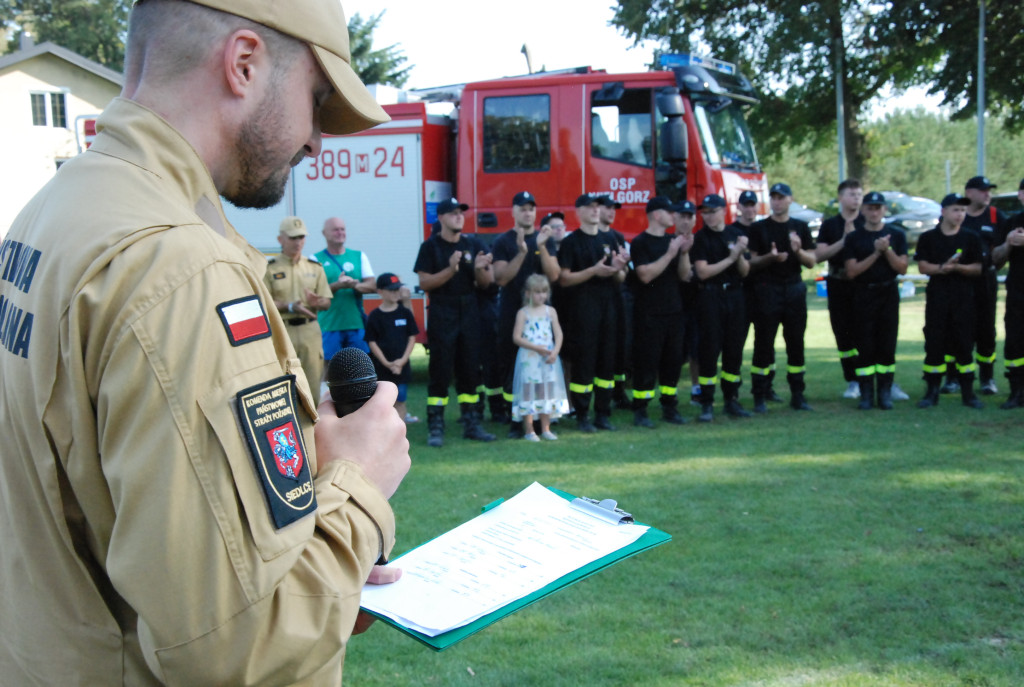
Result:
{"points": [[299, 288], [169, 514]]}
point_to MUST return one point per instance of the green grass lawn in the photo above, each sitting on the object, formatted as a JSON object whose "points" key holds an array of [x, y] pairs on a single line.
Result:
{"points": [[839, 547]]}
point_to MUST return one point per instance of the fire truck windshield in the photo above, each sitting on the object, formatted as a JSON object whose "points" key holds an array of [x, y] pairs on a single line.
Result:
{"points": [[724, 134]]}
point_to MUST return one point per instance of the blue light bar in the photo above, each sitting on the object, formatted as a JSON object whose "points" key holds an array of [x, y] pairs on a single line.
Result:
{"points": [[669, 60]]}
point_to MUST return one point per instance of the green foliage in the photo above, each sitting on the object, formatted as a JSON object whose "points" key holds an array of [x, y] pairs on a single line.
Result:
{"points": [[837, 548], [95, 29], [380, 66], [911, 150]]}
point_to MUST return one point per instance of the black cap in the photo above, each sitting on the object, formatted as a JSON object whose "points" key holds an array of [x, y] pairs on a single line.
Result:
{"points": [[550, 216], [524, 197], [954, 199], [587, 199], [980, 183], [780, 189], [658, 203], [609, 202], [389, 282], [748, 198], [712, 200], [446, 206], [684, 207], [874, 198]]}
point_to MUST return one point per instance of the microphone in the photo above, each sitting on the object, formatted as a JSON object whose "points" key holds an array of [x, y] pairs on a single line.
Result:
{"points": [[351, 379]]}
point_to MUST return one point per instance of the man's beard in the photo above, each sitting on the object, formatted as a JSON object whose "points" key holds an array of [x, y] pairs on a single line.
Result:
{"points": [[258, 187]]}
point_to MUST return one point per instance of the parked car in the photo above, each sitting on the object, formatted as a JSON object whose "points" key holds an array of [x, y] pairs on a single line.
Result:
{"points": [[1007, 202], [913, 214], [806, 214]]}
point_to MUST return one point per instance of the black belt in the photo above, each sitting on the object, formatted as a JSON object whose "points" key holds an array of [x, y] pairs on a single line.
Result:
{"points": [[712, 286], [297, 323], [880, 284]]}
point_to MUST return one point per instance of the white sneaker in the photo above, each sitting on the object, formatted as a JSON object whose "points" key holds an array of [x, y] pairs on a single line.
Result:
{"points": [[852, 390], [989, 388], [531, 437], [898, 394]]}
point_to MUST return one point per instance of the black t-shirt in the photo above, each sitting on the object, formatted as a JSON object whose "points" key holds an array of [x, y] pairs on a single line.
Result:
{"points": [[661, 295], [984, 225], [505, 249], [715, 246], [434, 255], [579, 251], [831, 231], [768, 231], [391, 331], [860, 243], [935, 247], [1015, 259]]}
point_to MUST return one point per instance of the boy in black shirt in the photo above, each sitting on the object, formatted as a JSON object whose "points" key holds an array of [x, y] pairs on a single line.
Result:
{"points": [[391, 334]]}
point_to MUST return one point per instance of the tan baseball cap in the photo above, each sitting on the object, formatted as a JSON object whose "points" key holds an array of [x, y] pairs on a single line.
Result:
{"points": [[293, 227], [322, 25]]}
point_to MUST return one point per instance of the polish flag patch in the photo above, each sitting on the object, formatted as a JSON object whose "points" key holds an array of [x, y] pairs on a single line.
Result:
{"points": [[244, 320]]}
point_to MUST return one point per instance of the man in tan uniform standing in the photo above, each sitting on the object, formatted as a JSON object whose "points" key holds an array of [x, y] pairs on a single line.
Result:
{"points": [[169, 513], [298, 285]]}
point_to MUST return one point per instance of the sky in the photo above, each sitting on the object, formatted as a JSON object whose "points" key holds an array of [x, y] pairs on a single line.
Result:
{"points": [[472, 41]]}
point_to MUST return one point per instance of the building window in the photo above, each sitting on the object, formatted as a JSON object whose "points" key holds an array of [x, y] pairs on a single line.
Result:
{"points": [[517, 133], [49, 109]]}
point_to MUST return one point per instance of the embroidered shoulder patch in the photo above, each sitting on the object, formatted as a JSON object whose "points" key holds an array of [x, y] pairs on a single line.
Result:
{"points": [[244, 320], [272, 430]]}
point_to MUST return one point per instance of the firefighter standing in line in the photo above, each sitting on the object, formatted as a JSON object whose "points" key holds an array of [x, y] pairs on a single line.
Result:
{"points": [[1010, 249], [593, 265], [781, 247], [952, 259], [451, 267], [518, 253], [874, 256], [300, 290], [660, 262], [719, 259], [624, 305], [983, 219]]}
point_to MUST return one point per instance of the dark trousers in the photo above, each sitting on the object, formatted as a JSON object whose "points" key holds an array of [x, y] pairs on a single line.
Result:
{"points": [[454, 340], [775, 305], [986, 291], [590, 344], [876, 318], [657, 357], [841, 307], [1013, 352], [948, 327], [723, 325]]}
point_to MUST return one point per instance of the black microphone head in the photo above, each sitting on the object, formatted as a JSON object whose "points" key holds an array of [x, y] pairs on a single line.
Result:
{"points": [[351, 378]]}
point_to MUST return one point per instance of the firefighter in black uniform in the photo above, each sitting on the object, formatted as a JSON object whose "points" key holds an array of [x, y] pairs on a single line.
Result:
{"points": [[518, 253], [781, 247], [874, 256], [983, 219], [952, 259], [719, 259], [592, 268], [1010, 249], [660, 262], [624, 304], [830, 243], [451, 267]]}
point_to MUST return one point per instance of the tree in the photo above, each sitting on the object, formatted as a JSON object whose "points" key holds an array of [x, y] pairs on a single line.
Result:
{"points": [[792, 50], [381, 66], [95, 29]]}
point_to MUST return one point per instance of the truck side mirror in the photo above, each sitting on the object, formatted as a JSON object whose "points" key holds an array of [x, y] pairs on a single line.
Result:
{"points": [[673, 144]]}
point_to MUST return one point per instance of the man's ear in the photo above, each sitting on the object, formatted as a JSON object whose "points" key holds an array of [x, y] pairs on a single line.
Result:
{"points": [[245, 60]]}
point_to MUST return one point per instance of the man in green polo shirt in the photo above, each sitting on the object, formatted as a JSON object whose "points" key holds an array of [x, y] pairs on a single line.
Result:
{"points": [[350, 276]]}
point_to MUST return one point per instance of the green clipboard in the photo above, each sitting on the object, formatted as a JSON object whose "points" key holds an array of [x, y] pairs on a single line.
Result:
{"points": [[650, 539]]}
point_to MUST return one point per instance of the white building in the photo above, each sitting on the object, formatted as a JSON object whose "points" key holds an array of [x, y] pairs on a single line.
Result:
{"points": [[45, 93]]}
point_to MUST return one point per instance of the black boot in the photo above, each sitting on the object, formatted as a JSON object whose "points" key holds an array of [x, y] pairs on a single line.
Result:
{"points": [[603, 421], [931, 395], [707, 412], [986, 385], [471, 428], [435, 426], [670, 414], [640, 418], [967, 391], [867, 392], [1016, 399], [759, 406], [769, 393], [500, 409], [885, 395], [734, 409]]}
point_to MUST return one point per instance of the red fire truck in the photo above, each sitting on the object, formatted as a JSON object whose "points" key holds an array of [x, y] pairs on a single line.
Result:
{"points": [[678, 132]]}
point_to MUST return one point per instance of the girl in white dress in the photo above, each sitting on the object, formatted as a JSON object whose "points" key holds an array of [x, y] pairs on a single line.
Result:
{"points": [[538, 386]]}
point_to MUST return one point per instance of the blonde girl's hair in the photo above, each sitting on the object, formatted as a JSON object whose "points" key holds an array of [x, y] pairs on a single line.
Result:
{"points": [[535, 282]]}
